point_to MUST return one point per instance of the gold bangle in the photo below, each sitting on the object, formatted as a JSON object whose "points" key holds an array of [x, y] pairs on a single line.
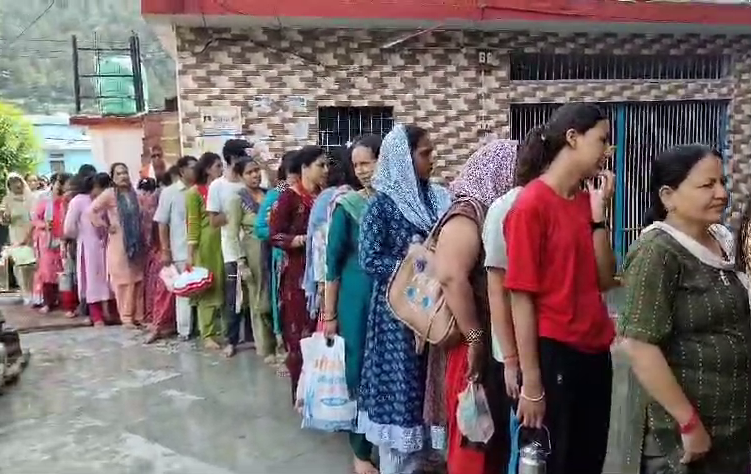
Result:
{"points": [[532, 399]]}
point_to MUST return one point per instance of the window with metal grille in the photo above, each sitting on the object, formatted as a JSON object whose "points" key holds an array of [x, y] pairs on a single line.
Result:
{"points": [[554, 67], [338, 126]]}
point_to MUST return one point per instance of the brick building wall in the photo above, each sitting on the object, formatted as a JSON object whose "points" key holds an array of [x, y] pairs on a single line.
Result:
{"points": [[434, 80]]}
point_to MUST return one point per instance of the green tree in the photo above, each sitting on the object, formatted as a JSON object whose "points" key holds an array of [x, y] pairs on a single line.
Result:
{"points": [[18, 143]]}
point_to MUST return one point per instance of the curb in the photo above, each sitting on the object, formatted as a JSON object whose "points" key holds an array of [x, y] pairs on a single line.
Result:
{"points": [[51, 327]]}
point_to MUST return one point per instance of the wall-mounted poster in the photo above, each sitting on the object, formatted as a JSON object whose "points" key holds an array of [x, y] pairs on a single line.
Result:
{"points": [[297, 103], [262, 103], [221, 121]]}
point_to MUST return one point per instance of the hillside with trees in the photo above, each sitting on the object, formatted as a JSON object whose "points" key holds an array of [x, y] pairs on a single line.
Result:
{"points": [[36, 66]]}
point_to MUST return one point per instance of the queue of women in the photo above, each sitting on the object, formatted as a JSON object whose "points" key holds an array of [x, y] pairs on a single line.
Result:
{"points": [[522, 257]]}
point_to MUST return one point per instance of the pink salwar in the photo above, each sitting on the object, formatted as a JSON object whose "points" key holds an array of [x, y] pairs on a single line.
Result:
{"points": [[125, 275], [91, 264]]}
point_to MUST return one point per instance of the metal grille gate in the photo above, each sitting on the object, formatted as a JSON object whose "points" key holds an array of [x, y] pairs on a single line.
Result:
{"points": [[640, 131]]}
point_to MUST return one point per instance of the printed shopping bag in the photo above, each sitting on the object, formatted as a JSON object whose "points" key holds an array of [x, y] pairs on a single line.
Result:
{"points": [[192, 282], [473, 414], [326, 404]]}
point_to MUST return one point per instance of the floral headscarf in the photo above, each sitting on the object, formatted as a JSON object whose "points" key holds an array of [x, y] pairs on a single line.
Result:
{"points": [[489, 173], [395, 177]]}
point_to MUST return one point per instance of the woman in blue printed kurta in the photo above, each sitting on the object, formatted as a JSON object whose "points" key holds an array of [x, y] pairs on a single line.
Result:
{"points": [[392, 387]]}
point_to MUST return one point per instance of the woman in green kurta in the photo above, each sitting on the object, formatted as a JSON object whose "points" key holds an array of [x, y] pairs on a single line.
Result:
{"points": [[344, 276], [284, 180], [686, 326], [205, 250], [254, 267]]}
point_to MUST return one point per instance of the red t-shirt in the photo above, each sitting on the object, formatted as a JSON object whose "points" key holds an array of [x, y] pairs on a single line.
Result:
{"points": [[551, 255]]}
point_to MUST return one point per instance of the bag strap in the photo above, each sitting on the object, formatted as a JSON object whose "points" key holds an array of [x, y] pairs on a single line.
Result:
{"points": [[432, 239]]}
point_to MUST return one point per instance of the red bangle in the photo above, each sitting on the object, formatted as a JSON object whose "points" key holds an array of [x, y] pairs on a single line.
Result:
{"points": [[691, 424]]}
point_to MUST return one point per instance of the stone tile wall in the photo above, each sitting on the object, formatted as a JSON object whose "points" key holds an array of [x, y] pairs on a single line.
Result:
{"points": [[434, 80]]}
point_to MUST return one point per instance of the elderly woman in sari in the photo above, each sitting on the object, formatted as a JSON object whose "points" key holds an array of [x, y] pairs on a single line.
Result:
{"points": [[90, 244], [285, 179], [15, 212], [118, 211], [48, 221], [405, 205], [460, 267]]}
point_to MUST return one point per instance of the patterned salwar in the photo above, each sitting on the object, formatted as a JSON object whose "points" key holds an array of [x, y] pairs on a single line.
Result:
{"points": [[392, 389], [288, 220], [697, 313], [159, 303]]}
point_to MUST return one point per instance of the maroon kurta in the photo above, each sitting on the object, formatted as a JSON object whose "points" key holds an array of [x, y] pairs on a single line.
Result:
{"points": [[289, 218]]}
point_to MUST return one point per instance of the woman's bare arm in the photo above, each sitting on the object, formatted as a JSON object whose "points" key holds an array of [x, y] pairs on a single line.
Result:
{"points": [[456, 254], [656, 376]]}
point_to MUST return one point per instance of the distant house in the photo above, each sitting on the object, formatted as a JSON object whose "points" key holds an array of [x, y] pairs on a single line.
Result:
{"points": [[63, 147]]}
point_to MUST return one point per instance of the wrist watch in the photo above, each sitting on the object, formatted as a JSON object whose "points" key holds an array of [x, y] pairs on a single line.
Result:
{"points": [[598, 225]]}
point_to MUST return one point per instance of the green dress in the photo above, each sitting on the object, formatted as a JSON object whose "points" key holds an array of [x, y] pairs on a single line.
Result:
{"points": [[355, 285], [698, 314], [208, 254]]}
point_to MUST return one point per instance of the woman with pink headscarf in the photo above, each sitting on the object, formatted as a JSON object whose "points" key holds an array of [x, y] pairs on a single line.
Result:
{"points": [[460, 267]]}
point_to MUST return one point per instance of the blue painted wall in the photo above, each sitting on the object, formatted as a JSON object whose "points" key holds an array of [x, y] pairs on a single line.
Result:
{"points": [[59, 140]]}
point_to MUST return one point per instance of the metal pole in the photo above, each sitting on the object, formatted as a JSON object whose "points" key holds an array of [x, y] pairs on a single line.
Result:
{"points": [[135, 58], [76, 75]]}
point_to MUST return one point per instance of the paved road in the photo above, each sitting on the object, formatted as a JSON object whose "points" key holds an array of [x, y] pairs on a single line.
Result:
{"points": [[97, 401]]}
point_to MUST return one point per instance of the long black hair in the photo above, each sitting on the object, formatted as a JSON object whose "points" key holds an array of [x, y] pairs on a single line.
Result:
{"points": [[543, 143], [670, 169], [205, 162], [305, 157], [285, 165]]}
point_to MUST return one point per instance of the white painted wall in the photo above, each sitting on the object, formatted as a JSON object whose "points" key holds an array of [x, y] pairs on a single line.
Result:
{"points": [[112, 144]]}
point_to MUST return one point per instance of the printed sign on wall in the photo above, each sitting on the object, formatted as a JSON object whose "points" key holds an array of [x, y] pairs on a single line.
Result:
{"points": [[221, 121]]}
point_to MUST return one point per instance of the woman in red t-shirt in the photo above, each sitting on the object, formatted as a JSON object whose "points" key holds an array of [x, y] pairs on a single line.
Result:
{"points": [[560, 261]]}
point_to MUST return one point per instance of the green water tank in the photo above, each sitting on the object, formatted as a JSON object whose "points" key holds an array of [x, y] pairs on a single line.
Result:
{"points": [[119, 90]]}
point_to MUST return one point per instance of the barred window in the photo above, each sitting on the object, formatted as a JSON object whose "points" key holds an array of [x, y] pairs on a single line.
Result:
{"points": [[339, 126], [552, 67]]}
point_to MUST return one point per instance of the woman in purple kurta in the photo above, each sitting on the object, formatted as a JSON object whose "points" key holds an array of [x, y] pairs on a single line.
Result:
{"points": [[93, 284]]}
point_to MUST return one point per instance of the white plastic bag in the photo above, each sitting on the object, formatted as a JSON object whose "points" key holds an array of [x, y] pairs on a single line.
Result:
{"points": [[326, 404], [473, 414]]}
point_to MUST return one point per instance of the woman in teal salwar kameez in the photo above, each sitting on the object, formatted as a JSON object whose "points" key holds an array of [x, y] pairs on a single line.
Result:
{"points": [[284, 180], [348, 316]]}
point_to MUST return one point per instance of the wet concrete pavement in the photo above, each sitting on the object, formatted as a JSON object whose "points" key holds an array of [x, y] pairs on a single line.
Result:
{"points": [[98, 401]]}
